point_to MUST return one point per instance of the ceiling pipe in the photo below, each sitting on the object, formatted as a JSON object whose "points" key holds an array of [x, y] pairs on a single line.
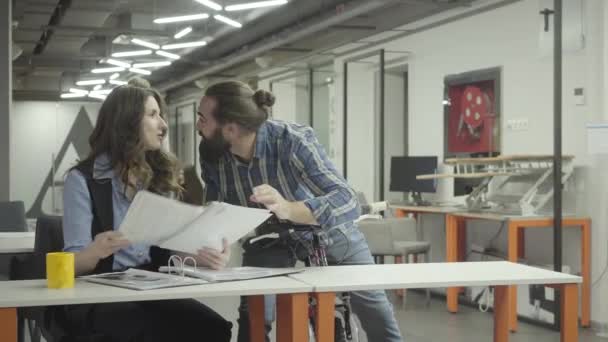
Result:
{"points": [[310, 27]]}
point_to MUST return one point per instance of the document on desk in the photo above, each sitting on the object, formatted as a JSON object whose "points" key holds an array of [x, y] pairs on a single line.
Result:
{"points": [[229, 274], [164, 222]]}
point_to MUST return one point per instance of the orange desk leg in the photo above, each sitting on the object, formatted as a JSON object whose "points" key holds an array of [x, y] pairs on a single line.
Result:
{"points": [[521, 243], [586, 273], [257, 330], [292, 317], [462, 243], [513, 244], [324, 313], [501, 314], [8, 324], [451, 254], [569, 313]]}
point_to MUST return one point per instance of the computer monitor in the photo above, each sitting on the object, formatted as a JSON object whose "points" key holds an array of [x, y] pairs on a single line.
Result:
{"points": [[404, 171]]}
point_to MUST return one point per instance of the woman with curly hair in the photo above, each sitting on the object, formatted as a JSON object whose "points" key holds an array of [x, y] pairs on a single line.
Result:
{"points": [[126, 157]]}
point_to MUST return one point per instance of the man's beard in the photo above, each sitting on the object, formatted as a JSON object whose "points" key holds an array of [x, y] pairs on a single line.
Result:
{"points": [[212, 149]]}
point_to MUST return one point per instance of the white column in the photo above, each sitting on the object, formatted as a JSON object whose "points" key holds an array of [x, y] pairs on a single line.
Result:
{"points": [[5, 97]]}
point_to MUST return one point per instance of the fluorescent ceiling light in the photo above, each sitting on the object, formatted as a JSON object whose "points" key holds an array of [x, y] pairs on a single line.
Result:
{"points": [[114, 76], [210, 4], [145, 43], [167, 54], [181, 18], [90, 82], [107, 70], [97, 87], [140, 71], [101, 91], [258, 4], [79, 91], [227, 20], [183, 32], [97, 96], [72, 95], [118, 63], [184, 45], [151, 64], [117, 82], [132, 53]]}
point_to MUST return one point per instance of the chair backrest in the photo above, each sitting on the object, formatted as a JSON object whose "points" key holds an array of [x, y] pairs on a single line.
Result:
{"points": [[381, 234], [49, 238], [49, 235], [12, 217]]}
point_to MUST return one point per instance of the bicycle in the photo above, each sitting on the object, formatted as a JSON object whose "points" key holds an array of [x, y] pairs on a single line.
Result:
{"points": [[309, 244]]}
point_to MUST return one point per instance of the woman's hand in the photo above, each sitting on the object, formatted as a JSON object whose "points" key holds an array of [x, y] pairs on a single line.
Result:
{"points": [[108, 243], [213, 258]]}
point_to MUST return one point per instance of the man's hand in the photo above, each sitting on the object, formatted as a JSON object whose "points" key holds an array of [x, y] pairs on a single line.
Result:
{"points": [[272, 200], [213, 258], [108, 243]]}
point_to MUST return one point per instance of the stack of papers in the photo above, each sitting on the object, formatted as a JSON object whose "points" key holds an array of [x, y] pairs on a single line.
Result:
{"points": [[164, 222], [228, 274], [142, 280]]}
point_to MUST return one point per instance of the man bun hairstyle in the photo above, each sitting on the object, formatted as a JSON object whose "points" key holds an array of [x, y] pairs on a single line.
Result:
{"points": [[238, 103]]}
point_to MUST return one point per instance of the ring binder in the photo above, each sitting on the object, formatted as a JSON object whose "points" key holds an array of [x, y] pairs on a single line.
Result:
{"points": [[176, 264]]}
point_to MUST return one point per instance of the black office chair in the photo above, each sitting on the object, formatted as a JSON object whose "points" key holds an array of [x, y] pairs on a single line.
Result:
{"points": [[12, 217], [49, 238]]}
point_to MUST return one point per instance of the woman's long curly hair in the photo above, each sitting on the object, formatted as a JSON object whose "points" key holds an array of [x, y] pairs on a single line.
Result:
{"points": [[117, 133]]}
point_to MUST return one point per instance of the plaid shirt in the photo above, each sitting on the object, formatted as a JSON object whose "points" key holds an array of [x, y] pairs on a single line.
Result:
{"points": [[289, 158]]}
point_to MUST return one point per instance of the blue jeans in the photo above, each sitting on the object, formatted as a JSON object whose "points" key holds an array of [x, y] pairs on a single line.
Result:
{"points": [[347, 248]]}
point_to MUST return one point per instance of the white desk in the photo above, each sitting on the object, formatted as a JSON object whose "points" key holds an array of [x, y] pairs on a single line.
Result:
{"points": [[500, 275], [292, 301], [16, 242]]}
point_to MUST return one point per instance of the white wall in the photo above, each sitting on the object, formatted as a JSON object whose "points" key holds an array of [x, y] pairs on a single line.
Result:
{"points": [[38, 131], [508, 37]]}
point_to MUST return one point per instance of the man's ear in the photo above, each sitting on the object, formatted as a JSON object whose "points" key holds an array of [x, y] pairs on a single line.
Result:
{"points": [[231, 131]]}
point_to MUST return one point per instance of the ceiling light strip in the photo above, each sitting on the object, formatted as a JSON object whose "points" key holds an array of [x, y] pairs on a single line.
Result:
{"points": [[90, 82], [213, 5], [117, 82], [258, 4], [227, 21], [140, 71], [183, 33], [145, 43], [151, 64], [107, 70], [72, 95], [167, 54], [117, 63], [199, 16], [183, 45], [132, 53]]}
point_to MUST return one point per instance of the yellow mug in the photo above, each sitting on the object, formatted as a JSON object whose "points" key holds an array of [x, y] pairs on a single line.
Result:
{"points": [[60, 270]]}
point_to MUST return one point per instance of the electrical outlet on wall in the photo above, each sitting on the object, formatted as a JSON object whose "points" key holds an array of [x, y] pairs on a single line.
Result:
{"points": [[517, 124]]}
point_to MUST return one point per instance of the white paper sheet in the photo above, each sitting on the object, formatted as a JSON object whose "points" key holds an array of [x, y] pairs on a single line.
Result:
{"points": [[174, 225]]}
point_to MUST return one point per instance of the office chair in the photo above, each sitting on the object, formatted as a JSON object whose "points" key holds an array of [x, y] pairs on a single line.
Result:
{"points": [[49, 238], [395, 236], [12, 217]]}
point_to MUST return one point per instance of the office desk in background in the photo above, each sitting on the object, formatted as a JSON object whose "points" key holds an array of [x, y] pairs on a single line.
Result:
{"points": [[16, 242], [292, 301], [500, 274], [456, 238]]}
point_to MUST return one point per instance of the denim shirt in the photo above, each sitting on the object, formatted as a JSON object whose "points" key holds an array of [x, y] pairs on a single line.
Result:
{"points": [[78, 214]]}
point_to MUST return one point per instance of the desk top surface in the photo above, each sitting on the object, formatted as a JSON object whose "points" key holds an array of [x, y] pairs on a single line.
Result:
{"points": [[460, 211], [428, 275], [24, 293], [16, 242]]}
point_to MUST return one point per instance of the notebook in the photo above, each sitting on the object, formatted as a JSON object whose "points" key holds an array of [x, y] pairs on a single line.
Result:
{"points": [[142, 280], [228, 274], [164, 222]]}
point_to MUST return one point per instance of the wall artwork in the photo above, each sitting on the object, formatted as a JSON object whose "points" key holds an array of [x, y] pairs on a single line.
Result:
{"points": [[472, 126]]}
